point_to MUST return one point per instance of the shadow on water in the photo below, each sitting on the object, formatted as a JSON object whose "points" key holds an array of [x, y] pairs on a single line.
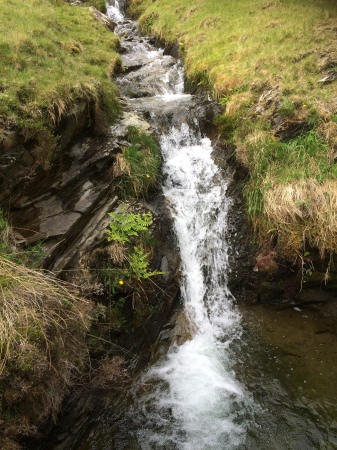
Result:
{"points": [[289, 364]]}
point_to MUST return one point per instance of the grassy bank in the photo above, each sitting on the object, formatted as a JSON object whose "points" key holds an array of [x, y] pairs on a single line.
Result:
{"points": [[272, 67], [53, 56]]}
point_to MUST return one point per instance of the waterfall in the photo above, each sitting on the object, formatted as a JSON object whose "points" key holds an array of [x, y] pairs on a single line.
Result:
{"points": [[193, 400], [196, 401], [114, 12], [190, 396]]}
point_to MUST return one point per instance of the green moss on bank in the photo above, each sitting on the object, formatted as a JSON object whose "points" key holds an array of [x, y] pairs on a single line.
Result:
{"points": [[52, 56], [272, 65]]}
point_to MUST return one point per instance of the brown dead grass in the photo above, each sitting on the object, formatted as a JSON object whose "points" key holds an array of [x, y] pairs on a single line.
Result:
{"points": [[238, 101], [309, 206], [121, 166], [43, 324], [116, 252]]}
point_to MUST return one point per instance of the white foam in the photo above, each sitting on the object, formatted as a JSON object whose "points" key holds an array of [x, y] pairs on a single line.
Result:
{"points": [[196, 385], [114, 12]]}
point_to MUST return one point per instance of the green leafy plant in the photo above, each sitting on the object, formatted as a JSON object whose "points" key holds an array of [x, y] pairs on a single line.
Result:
{"points": [[286, 108], [123, 227], [130, 235], [139, 264]]}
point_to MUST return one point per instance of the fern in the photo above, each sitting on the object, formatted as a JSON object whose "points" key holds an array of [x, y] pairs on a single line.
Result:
{"points": [[124, 227], [139, 264], [132, 231]]}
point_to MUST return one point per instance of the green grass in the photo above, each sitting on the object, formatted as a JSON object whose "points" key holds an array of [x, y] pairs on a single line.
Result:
{"points": [[53, 55], [141, 164], [234, 44], [263, 61]]}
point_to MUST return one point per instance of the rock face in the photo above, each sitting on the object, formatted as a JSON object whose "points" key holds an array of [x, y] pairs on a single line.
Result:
{"points": [[18, 162], [67, 209]]}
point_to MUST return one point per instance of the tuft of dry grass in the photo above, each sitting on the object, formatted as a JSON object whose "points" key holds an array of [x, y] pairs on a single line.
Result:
{"points": [[32, 300], [43, 324], [239, 101], [116, 252], [110, 370], [309, 205], [121, 166]]}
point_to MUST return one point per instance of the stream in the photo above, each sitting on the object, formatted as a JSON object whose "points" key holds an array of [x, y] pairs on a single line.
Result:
{"points": [[220, 383]]}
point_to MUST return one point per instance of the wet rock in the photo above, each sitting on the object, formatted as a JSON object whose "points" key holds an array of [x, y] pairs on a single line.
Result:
{"points": [[269, 97], [57, 225], [130, 119], [311, 296], [164, 266], [288, 129], [76, 120], [16, 165], [87, 197], [10, 139], [329, 77], [172, 50], [105, 20], [320, 279], [17, 161], [145, 69], [271, 293], [26, 159]]}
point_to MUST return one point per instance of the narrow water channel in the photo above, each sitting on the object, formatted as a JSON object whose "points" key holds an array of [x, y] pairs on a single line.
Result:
{"points": [[213, 389], [193, 399]]}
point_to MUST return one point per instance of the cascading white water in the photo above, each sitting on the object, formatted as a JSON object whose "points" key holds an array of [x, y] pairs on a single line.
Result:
{"points": [[197, 401], [114, 12]]}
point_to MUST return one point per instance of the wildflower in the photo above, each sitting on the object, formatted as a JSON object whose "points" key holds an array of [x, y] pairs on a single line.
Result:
{"points": [[121, 282], [304, 106], [147, 175]]}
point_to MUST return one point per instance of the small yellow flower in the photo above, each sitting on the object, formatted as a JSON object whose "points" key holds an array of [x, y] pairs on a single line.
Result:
{"points": [[121, 282], [147, 175], [304, 106]]}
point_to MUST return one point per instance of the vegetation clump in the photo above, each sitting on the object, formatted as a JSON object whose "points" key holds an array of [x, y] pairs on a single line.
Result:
{"points": [[53, 56], [138, 165], [271, 66], [50, 331], [122, 270], [130, 249], [43, 323]]}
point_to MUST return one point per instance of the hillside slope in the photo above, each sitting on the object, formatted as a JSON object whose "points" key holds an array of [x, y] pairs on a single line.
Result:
{"points": [[273, 67], [54, 57]]}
